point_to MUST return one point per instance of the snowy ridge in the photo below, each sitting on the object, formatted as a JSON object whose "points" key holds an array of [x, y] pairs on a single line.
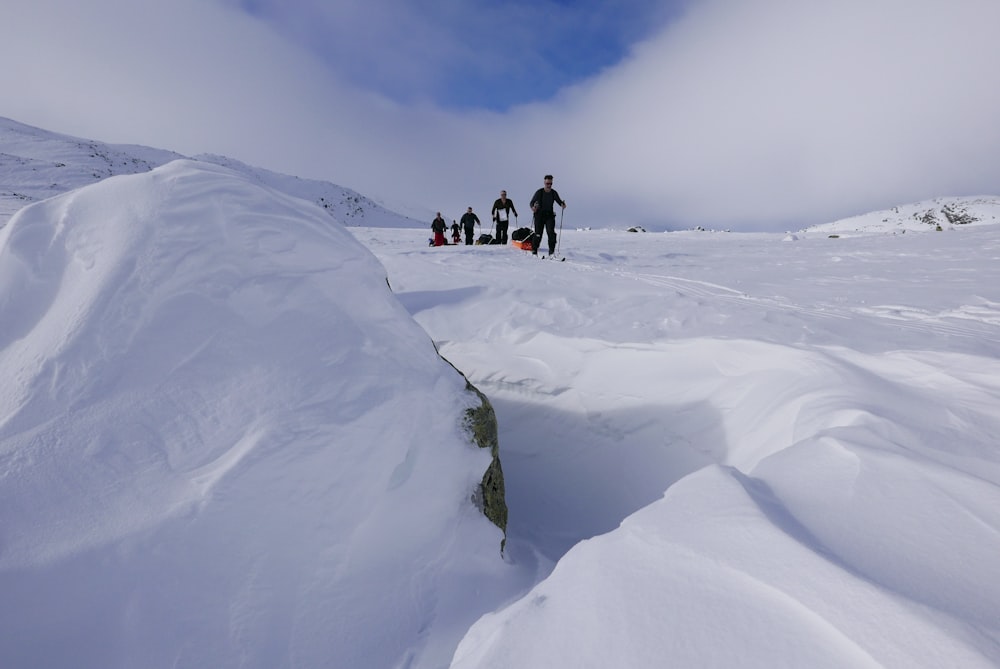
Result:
{"points": [[941, 213], [36, 164], [345, 205]]}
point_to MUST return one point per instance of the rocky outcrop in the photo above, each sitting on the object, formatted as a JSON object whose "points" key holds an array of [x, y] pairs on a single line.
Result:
{"points": [[481, 422], [942, 213]]}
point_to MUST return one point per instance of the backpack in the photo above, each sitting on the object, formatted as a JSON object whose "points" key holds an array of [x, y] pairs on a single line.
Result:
{"points": [[520, 233]]}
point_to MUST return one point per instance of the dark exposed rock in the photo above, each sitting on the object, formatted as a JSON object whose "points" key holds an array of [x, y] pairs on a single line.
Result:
{"points": [[481, 423], [958, 216]]}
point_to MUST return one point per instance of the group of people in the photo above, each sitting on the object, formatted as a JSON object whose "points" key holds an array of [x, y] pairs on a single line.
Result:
{"points": [[543, 210]]}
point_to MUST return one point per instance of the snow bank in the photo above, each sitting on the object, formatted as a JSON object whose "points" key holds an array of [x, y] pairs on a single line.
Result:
{"points": [[863, 534], [222, 441]]}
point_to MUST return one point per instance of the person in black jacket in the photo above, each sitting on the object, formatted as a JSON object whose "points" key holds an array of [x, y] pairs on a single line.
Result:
{"points": [[468, 221], [501, 214], [542, 204], [438, 227]]}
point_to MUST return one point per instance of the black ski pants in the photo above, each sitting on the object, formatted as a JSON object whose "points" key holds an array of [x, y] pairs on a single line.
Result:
{"points": [[545, 222], [502, 231]]}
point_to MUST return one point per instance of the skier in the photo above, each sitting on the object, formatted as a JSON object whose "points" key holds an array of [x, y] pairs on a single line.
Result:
{"points": [[545, 216], [438, 226], [501, 214], [469, 221], [455, 232]]}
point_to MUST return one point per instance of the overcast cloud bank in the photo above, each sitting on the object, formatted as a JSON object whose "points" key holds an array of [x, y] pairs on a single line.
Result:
{"points": [[769, 115]]}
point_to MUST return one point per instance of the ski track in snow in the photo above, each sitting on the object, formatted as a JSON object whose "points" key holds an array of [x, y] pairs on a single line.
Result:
{"points": [[963, 321]]}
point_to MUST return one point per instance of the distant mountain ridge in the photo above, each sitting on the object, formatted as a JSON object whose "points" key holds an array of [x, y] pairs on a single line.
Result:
{"points": [[942, 213], [36, 164]]}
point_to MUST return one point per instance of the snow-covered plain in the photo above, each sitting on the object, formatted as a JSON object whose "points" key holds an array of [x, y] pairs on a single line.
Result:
{"points": [[224, 442], [762, 450]]}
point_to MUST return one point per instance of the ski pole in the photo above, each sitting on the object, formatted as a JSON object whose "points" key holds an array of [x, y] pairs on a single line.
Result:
{"points": [[559, 238]]}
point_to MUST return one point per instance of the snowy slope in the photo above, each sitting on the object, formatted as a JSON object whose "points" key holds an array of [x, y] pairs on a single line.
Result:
{"points": [[942, 213], [223, 442], [36, 164]]}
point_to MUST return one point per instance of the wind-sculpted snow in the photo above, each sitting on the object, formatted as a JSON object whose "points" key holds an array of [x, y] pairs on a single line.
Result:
{"points": [[223, 442], [722, 573], [737, 450], [863, 534]]}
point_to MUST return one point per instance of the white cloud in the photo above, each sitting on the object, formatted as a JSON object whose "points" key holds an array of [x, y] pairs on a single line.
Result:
{"points": [[754, 113], [781, 109]]}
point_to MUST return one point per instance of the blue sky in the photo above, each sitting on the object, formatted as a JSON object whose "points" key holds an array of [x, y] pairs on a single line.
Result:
{"points": [[735, 114], [467, 54]]}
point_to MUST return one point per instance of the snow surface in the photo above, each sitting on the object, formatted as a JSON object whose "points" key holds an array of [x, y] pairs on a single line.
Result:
{"points": [[752, 450], [225, 443]]}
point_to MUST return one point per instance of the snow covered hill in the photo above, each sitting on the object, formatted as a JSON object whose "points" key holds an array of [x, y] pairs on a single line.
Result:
{"points": [[36, 164], [938, 214], [223, 441]]}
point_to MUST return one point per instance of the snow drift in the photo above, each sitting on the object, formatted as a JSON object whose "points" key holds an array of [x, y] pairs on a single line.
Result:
{"points": [[741, 451], [223, 442]]}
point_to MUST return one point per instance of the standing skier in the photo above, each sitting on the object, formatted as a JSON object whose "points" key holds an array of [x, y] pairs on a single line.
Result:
{"points": [[469, 220], [501, 214], [545, 216]]}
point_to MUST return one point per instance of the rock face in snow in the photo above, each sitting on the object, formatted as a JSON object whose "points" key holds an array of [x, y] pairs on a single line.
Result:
{"points": [[482, 424], [223, 442]]}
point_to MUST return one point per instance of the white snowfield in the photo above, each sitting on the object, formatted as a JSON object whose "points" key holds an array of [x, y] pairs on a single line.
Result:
{"points": [[224, 442], [822, 415]]}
